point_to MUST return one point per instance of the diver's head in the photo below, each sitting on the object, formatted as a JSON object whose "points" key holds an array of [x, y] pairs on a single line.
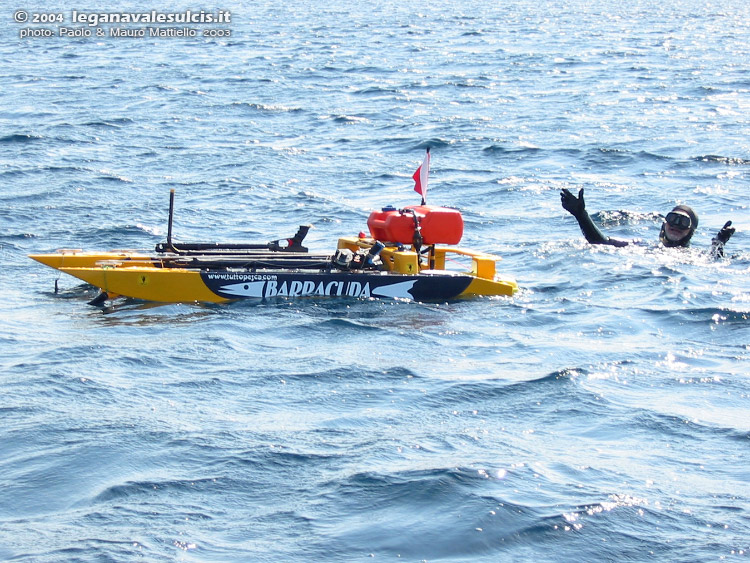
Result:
{"points": [[679, 226]]}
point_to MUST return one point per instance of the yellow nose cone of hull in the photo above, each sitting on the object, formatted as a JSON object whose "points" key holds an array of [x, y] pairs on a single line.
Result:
{"points": [[150, 284], [69, 258]]}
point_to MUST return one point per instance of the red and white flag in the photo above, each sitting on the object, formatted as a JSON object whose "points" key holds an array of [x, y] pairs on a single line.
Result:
{"points": [[421, 177]]}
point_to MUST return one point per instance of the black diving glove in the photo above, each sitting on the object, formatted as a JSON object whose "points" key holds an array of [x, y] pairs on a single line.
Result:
{"points": [[572, 204], [725, 233]]}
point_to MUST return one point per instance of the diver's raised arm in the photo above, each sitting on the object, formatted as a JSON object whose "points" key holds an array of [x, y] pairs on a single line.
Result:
{"points": [[576, 206]]}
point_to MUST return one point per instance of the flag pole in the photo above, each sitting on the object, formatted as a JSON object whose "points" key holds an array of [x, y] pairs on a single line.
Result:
{"points": [[427, 173]]}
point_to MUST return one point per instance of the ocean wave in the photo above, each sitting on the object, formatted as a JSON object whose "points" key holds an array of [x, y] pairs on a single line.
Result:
{"points": [[20, 138], [349, 373], [731, 161], [377, 90], [500, 149], [151, 488], [499, 387], [346, 119], [112, 123], [268, 108], [624, 217], [675, 426]]}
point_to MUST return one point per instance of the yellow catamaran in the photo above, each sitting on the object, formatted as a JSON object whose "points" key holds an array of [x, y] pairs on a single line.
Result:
{"points": [[403, 257]]}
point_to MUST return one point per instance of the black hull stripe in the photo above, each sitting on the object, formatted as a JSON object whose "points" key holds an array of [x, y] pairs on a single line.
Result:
{"points": [[258, 285]]}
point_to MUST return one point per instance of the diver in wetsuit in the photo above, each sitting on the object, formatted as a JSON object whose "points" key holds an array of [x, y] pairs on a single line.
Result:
{"points": [[677, 229]]}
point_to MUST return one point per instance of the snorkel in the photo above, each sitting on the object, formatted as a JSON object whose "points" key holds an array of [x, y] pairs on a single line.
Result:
{"points": [[684, 241]]}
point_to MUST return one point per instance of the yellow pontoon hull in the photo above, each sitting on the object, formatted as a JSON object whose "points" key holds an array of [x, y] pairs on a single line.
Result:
{"points": [[174, 285], [171, 278]]}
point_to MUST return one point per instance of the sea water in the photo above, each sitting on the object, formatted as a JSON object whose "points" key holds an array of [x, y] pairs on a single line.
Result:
{"points": [[601, 414]]}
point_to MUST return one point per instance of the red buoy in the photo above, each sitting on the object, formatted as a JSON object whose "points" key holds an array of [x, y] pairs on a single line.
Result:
{"points": [[438, 225]]}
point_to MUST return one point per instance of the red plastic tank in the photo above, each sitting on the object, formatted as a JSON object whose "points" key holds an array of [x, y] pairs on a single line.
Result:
{"points": [[439, 225], [376, 223]]}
